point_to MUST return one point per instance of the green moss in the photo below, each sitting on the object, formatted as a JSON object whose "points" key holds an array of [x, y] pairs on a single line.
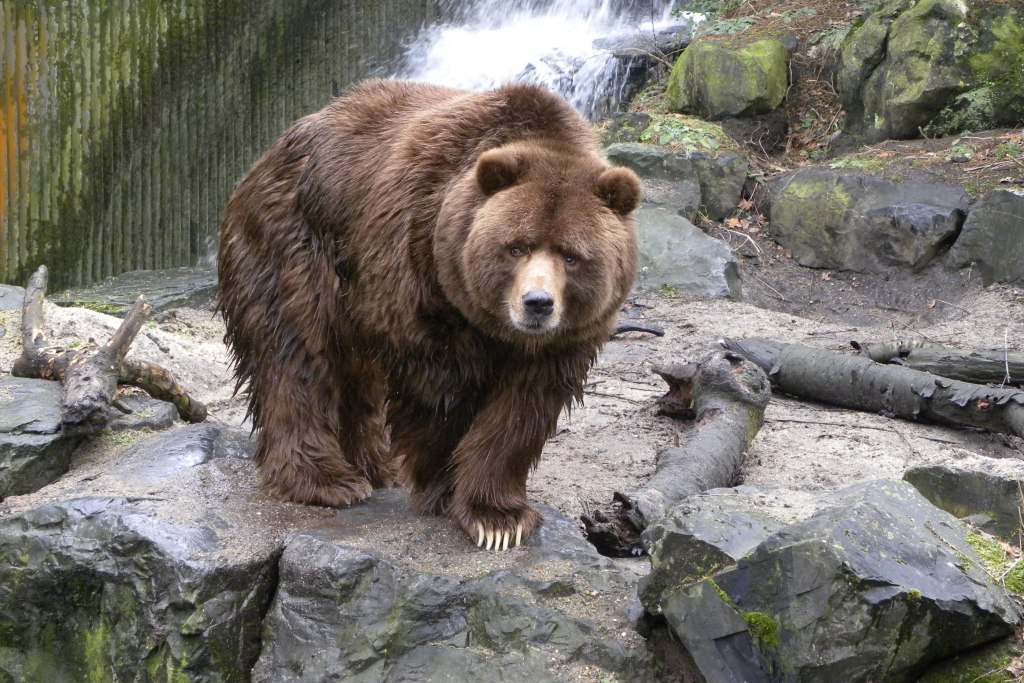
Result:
{"points": [[96, 642], [1001, 68], [998, 562], [668, 291], [762, 627], [100, 307], [161, 666]]}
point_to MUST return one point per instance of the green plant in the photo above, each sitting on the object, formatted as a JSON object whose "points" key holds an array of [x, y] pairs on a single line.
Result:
{"points": [[791, 15], [726, 26], [959, 152], [832, 38], [686, 132]]}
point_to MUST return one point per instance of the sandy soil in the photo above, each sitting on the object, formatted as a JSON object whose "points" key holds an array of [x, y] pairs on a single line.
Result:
{"points": [[611, 443]]}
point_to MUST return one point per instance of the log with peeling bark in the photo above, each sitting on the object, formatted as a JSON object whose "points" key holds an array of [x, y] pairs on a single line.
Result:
{"points": [[728, 396], [971, 365], [91, 375], [862, 384]]}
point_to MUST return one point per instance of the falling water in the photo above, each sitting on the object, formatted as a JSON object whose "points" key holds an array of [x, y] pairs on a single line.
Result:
{"points": [[563, 44]]}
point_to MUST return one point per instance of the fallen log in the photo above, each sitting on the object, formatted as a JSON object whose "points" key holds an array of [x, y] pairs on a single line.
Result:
{"points": [[973, 365], [728, 397], [860, 383], [91, 374]]}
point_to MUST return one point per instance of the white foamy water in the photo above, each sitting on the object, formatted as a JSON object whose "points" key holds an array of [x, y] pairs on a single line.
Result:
{"points": [[550, 43]]}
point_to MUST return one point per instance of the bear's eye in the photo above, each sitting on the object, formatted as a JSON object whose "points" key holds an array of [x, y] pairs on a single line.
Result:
{"points": [[516, 251], [570, 260]]}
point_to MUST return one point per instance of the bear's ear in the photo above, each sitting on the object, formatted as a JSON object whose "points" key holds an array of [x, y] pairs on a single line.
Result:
{"points": [[619, 188], [497, 169]]}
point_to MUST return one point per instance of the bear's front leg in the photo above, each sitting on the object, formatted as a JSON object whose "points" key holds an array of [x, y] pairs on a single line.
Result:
{"points": [[492, 462]]}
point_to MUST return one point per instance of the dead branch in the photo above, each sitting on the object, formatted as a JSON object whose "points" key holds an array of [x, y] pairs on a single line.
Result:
{"points": [[91, 375], [860, 383], [972, 365], [729, 397]]}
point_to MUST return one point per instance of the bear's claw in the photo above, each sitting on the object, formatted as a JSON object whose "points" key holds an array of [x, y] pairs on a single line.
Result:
{"points": [[499, 540]]}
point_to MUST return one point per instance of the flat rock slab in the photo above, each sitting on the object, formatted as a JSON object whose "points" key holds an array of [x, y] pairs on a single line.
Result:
{"points": [[162, 288], [875, 588], [984, 491]]}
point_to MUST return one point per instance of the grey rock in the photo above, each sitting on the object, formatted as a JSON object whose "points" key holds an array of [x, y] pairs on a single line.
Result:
{"points": [[985, 491], [167, 581], [349, 608], [33, 451], [993, 238], [875, 588], [680, 196], [931, 65], [861, 223], [676, 254], [11, 297], [162, 288], [701, 536], [720, 176]]}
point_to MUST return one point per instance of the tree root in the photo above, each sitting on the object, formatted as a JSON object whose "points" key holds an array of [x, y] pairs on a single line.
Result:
{"points": [[728, 397], [91, 374]]}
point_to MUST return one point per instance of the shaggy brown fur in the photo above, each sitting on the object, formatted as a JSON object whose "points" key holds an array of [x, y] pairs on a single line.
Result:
{"points": [[441, 262]]}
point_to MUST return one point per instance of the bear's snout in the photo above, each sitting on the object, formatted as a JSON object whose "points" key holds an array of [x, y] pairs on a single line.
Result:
{"points": [[538, 304]]}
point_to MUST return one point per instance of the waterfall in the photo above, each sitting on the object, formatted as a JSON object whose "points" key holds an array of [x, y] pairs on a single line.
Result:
{"points": [[578, 48]]}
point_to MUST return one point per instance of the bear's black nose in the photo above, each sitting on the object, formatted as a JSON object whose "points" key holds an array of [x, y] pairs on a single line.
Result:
{"points": [[538, 303]]}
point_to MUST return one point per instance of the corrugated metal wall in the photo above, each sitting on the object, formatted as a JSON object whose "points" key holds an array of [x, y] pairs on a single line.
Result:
{"points": [[124, 124]]}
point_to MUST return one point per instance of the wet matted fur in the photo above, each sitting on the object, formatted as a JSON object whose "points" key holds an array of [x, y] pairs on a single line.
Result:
{"points": [[416, 280]]}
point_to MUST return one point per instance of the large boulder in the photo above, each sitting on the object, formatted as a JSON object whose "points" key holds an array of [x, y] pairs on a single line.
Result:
{"points": [[992, 238], [862, 223], [714, 80], [158, 558], [875, 587], [140, 572], [381, 593], [677, 256], [940, 65], [720, 175]]}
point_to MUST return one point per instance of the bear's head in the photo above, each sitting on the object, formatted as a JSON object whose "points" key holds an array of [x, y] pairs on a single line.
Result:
{"points": [[537, 242]]}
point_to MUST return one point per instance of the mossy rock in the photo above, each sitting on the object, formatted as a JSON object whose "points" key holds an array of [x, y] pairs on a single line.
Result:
{"points": [[714, 80], [935, 65]]}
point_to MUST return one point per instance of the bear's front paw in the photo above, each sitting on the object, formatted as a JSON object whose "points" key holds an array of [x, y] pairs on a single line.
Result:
{"points": [[496, 528]]}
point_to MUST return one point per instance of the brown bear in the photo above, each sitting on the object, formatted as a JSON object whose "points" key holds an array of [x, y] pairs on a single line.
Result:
{"points": [[415, 281]]}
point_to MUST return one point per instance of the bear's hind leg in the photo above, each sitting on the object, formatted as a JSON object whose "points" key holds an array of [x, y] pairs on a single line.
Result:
{"points": [[299, 455], [363, 429]]}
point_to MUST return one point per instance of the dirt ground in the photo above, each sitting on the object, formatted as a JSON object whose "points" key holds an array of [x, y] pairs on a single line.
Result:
{"points": [[611, 442]]}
